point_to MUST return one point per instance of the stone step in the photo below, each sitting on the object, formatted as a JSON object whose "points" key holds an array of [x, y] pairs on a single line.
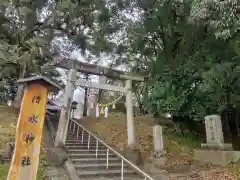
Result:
{"points": [[95, 160], [81, 155], [70, 132], [105, 173], [87, 151], [80, 139], [52, 173], [79, 134], [84, 142], [75, 134], [99, 166], [90, 167], [117, 178], [82, 146]]}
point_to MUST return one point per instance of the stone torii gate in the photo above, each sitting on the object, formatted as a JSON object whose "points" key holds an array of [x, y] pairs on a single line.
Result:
{"points": [[76, 66]]}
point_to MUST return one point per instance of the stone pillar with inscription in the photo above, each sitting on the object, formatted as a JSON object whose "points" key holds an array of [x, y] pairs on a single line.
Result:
{"points": [[91, 105], [214, 133], [25, 159], [158, 154], [158, 140], [215, 151]]}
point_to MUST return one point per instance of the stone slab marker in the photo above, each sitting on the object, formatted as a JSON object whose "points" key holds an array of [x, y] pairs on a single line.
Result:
{"points": [[90, 105], [106, 112], [215, 151], [158, 154], [214, 133], [213, 125], [97, 111], [158, 139]]}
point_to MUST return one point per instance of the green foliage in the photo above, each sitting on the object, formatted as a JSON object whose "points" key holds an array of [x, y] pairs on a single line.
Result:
{"points": [[221, 16], [30, 31], [21, 41], [188, 49], [191, 53]]}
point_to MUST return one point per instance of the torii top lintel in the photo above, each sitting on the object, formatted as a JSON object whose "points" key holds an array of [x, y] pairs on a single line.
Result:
{"points": [[95, 69]]}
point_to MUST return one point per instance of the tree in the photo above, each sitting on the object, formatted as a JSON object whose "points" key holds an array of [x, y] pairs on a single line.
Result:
{"points": [[22, 40], [221, 16], [28, 27], [191, 59]]}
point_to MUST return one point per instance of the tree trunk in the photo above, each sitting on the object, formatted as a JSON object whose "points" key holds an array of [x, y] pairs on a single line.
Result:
{"points": [[237, 124], [19, 95], [228, 136], [99, 95], [140, 104], [18, 98], [138, 93]]}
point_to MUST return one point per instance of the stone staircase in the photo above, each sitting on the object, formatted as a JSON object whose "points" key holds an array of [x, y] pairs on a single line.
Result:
{"points": [[93, 159]]}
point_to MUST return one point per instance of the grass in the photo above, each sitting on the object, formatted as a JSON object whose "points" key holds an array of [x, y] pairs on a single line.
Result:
{"points": [[8, 122], [114, 131], [3, 171]]}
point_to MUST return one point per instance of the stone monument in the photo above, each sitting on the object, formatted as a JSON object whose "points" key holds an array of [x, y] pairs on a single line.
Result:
{"points": [[215, 151], [214, 134], [158, 154]]}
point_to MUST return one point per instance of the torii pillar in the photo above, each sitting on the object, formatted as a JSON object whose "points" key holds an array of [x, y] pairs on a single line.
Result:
{"points": [[130, 118], [65, 111], [131, 152]]}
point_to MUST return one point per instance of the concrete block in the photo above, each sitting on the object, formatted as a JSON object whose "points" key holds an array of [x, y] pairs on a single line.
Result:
{"points": [[134, 155], [217, 157], [56, 157], [218, 146]]}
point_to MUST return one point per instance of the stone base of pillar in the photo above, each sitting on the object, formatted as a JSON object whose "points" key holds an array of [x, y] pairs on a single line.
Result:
{"points": [[134, 155], [158, 159], [158, 154], [161, 161], [56, 156], [217, 146], [217, 157]]}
